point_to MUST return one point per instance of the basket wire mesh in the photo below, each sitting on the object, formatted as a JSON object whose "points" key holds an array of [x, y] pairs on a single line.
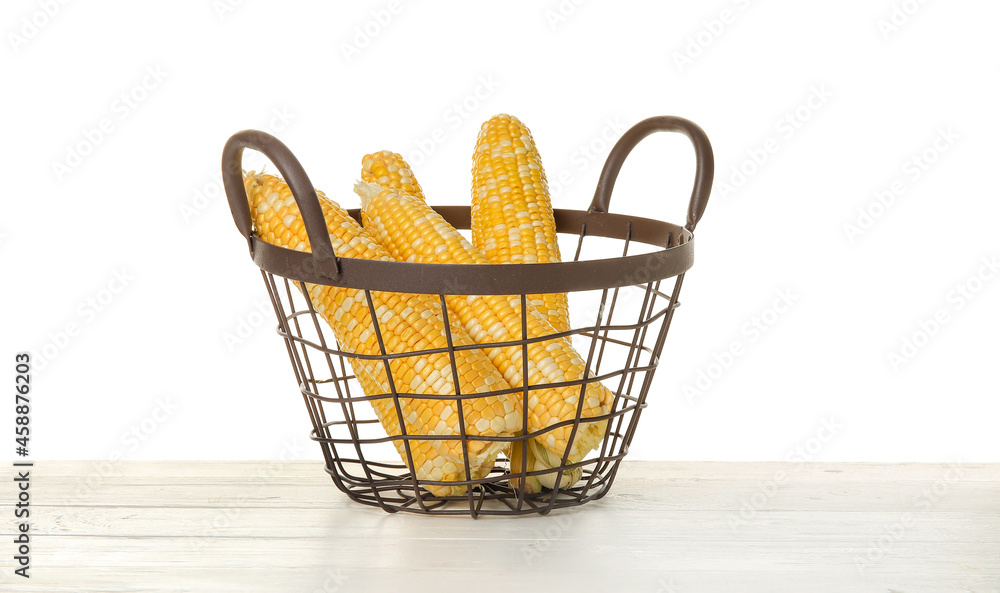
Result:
{"points": [[630, 300]]}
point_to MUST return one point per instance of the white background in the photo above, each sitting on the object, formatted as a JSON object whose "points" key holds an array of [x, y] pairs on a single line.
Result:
{"points": [[149, 374]]}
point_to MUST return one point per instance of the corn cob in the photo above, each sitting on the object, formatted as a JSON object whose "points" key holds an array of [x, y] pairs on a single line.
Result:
{"points": [[388, 169], [512, 219], [408, 323], [411, 231]]}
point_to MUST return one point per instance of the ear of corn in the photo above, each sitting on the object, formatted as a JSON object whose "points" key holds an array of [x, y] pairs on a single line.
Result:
{"points": [[388, 169], [408, 323], [512, 222], [412, 231], [512, 219]]}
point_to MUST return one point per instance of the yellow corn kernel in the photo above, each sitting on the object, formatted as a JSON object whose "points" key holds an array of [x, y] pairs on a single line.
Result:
{"points": [[388, 169]]}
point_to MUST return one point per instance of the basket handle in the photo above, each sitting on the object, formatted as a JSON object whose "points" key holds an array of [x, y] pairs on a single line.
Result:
{"points": [[664, 123], [293, 173]]}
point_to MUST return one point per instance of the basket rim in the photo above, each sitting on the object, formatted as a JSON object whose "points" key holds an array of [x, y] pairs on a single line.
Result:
{"points": [[675, 257], [322, 266]]}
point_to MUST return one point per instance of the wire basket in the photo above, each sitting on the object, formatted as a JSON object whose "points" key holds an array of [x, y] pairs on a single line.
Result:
{"points": [[630, 296]]}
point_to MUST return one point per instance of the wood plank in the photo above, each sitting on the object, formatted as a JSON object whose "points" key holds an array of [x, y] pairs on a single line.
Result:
{"points": [[770, 551], [258, 522], [488, 578], [667, 527], [642, 494], [656, 470]]}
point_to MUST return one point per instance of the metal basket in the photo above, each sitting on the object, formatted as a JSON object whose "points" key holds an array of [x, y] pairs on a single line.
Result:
{"points": [[621, 341]]}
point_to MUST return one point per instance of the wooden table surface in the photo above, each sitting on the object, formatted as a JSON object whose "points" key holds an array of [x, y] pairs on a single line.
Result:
{"points": [[664, 528]]}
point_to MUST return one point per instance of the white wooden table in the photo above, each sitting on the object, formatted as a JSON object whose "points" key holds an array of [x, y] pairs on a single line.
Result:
{"points": [[665, 527]]}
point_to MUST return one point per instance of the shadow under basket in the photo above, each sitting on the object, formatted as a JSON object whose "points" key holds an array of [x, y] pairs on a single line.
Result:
{"points": [[628, 302]]}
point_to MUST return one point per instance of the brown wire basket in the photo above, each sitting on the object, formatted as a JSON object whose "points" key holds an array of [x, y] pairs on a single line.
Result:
{"points": [[631, 298]]}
